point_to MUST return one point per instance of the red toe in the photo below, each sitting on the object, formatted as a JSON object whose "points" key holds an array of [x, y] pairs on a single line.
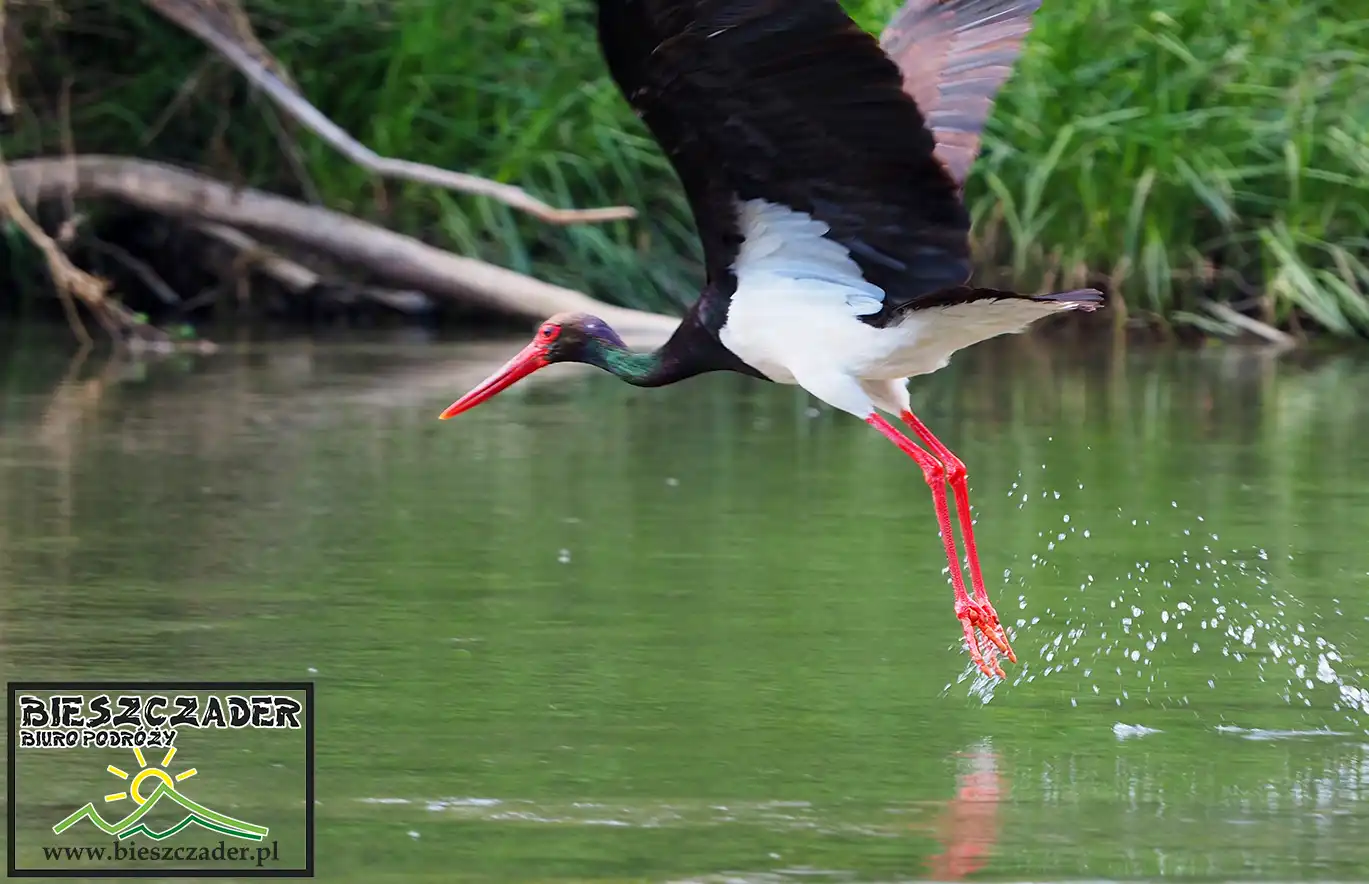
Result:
{"points": [[981, 618]]}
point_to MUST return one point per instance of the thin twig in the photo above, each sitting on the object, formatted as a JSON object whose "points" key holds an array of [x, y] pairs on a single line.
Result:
{"points": [[293, 155], [7, 104], [183, 93], [68, 142], [299, 109], [141, 269]]}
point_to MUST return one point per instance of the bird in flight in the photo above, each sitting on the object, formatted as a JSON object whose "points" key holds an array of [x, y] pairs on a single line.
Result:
{"points": [[824, 170]]}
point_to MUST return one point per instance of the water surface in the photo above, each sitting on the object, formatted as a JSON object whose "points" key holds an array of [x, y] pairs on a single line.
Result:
{"points": [[704, 633]]}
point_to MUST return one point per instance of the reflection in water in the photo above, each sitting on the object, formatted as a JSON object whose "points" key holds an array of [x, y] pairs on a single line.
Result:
{"points": [[966, 826], [704, 633], [969, 826]]}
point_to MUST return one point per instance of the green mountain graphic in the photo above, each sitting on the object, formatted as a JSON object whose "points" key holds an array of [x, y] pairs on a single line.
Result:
{"points": [[195, 813]]}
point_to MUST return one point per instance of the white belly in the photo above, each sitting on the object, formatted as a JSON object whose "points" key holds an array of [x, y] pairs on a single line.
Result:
{"points": [[777, 335]]}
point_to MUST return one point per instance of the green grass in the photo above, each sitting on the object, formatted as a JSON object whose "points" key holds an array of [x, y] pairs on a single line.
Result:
{"points": [[1158, 143], [1174, 150]]}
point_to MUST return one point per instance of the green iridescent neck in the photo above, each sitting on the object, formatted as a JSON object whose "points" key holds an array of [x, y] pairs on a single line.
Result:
{"points": [[641, 369]]}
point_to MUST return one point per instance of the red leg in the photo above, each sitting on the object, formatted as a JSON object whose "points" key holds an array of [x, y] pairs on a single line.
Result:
{"points": [[955, 474], [970, 614]]}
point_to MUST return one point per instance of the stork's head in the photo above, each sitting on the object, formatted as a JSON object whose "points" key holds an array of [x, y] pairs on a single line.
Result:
{"points": [[565, 337]]}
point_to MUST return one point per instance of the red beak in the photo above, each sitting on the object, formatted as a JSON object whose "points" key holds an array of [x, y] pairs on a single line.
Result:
{"points": [[528, 360]]}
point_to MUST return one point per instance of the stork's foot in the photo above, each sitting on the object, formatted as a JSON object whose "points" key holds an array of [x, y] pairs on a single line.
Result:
{"points": [[980, 617]]}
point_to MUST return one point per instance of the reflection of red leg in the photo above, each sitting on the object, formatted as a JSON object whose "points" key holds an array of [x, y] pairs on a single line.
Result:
{"points": [[971, 614], [955, 474], [970, 824]]}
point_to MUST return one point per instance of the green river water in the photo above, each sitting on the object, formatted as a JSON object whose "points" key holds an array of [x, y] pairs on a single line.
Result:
{"points": [[704, 633]]}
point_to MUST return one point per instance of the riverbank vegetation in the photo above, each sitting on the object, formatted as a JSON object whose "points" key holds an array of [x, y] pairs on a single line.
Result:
{"points": [[1190, 157]]}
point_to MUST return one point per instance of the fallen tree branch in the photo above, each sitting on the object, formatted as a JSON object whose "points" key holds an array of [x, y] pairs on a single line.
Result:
{"points": [[1249, 324], [398, 259], [299, 109], [298, 279]]}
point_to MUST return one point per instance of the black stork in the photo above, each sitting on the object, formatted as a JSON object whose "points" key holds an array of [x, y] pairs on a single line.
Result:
{"points": [[824, 171]]}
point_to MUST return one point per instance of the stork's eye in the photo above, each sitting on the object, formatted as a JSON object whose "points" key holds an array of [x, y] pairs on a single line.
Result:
{"points": [[548, 332]]}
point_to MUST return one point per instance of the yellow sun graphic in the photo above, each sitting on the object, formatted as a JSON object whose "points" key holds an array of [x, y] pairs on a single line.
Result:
{"points": [[156, 773]]}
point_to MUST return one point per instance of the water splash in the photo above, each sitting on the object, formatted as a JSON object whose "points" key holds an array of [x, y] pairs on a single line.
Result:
{"points": [[1118, 635]]}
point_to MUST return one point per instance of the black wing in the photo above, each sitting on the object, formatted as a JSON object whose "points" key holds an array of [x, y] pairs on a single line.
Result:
{"points": [[955, 55], [792, 102]]}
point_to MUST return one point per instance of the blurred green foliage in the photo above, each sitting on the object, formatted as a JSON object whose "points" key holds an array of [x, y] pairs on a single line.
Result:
{"points": [[1169, 150]]}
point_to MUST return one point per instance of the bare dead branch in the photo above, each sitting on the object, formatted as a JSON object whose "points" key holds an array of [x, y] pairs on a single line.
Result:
{"points": [[298, 279], [400, 260], [299, 109]]}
